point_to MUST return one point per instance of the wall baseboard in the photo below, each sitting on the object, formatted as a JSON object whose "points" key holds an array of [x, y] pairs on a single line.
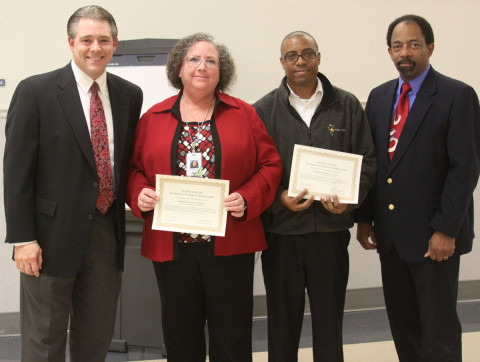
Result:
{"points": [[9, 324], [357, 299]]}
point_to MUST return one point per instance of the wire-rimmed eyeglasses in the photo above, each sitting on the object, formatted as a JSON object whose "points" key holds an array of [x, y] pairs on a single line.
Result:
{"points": [[195, 61]]}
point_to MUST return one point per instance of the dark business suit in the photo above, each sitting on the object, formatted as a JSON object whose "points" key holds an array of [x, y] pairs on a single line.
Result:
{"points": [[50, 178], [427, 187]]}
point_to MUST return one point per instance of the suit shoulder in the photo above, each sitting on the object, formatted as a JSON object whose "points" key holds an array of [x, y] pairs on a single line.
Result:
{"points": [[42, 78], [384, 86], [450, 83], [39, 85]]}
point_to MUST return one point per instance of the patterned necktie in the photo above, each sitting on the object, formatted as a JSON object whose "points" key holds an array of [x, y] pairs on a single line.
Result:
{"points": [[99, 135], [399, 118]]}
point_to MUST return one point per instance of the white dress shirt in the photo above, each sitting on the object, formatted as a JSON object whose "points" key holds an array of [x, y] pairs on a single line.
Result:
{"points": [[306, 107]]}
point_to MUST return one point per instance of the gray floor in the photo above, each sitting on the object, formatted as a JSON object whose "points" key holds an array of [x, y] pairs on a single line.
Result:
{"points": [[359, 327]]}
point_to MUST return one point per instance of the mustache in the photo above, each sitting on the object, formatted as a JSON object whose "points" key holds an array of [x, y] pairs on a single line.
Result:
{"points": [[300, 68], [406, 62]]}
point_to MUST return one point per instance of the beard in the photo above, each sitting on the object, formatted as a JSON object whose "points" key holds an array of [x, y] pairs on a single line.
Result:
{"points": [[406, 68]]}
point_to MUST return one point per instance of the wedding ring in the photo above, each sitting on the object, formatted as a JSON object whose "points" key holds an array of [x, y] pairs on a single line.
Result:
{"points": [[445, 257]]}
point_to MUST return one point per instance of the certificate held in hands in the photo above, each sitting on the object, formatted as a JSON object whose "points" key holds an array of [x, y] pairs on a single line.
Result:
{"points": [[190, 205], [325, 172]]}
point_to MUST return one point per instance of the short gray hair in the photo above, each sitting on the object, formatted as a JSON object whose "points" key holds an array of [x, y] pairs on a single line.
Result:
{"points": [[180, 50], [93, 12]]}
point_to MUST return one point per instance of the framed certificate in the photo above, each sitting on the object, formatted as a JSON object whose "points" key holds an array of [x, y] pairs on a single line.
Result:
{"points": [[190, 205], [325, 172]]}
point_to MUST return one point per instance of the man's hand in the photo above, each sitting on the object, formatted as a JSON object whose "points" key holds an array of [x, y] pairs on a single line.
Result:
{"points": [[440, 247], [147, 200], [235, 204], [366, 236], [294, 203], [28, 258], [335, 207]]}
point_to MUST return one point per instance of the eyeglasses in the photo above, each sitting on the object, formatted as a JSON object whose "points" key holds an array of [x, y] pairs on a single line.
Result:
{"points": [[307, 54], [195, 61]]}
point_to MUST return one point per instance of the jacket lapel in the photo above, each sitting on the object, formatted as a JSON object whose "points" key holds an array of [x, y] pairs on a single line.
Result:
{"points": [[119, 102], [415, 117], [72, 106], [384, 127]]}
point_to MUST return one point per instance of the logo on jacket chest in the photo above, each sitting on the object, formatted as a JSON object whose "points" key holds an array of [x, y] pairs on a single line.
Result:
{"points": [[331, 128]]}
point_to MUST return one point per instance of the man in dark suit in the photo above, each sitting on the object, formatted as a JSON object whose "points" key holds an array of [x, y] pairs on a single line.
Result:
{"points": [[68, 141], [422, 205]]}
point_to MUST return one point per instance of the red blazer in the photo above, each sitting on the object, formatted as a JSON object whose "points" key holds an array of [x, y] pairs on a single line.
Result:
{"points": [[245, 155]]}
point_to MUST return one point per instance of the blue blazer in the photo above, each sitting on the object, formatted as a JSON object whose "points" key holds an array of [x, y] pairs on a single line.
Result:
{"points": [[428, 186]]}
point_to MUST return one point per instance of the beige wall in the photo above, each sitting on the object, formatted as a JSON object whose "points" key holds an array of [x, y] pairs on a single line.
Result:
{"points": [[350, 33]]}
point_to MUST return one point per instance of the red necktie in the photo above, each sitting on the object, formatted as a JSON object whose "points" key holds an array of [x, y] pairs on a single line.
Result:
{"points": [[399, 118], [99, 135]]}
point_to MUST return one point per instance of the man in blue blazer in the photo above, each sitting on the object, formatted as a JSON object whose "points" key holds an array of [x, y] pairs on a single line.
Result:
{"points": [[68, 248], [420, 213]]}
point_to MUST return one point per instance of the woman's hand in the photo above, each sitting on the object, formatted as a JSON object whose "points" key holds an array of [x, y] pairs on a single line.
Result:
{"points": [[147, 200], [235, 204]]}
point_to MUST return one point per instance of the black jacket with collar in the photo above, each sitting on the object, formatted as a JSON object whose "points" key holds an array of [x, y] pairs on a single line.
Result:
{"points": [[338, 124]]}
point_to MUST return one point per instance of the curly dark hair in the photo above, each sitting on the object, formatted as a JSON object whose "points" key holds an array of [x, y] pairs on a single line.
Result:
{"points": [[180, 50]]}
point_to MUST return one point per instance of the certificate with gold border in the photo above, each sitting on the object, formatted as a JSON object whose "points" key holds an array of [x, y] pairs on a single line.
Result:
{"points": [[190, 205], [325, 172]]}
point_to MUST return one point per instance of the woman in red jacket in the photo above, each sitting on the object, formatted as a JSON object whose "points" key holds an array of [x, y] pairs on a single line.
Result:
{"points": [[204, 278]]}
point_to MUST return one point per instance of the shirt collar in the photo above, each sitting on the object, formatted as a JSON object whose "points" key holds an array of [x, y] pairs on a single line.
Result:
{"points": [[416, 83], [319, 89], [85, 82]]}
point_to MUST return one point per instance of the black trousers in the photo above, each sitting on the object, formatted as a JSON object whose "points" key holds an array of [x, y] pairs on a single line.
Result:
{"points": [[318, 262], [200, 288], [421, 301], [88, 300]]}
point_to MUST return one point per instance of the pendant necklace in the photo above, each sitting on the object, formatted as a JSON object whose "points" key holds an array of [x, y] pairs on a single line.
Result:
{"points": [[193, 158], [195, 143]]}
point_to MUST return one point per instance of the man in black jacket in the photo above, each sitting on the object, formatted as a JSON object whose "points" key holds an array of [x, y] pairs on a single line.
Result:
{"points": [[307, 239]]}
